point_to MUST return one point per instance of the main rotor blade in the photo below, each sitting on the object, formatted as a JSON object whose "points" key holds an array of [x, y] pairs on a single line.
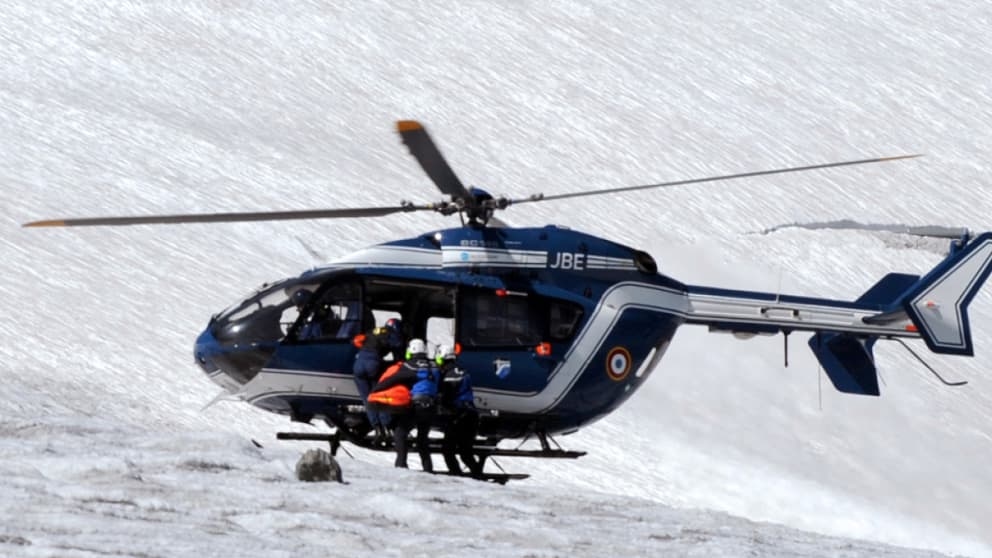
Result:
{"points": [[542, 197], [228, 217], [421, 146], [934, 231]]}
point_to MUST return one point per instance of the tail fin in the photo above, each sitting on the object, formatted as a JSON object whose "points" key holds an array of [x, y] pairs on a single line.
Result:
{"points": [[888, 289], [938, 303]]}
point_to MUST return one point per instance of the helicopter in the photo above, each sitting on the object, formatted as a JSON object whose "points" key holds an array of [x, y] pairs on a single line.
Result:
{"points": [[557, 327]]}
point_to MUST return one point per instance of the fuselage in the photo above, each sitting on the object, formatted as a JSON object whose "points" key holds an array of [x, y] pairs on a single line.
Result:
{"points": [[557, 328]]}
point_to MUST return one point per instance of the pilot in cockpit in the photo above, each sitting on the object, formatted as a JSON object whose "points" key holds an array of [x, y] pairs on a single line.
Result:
{"points": [[312, 329]]}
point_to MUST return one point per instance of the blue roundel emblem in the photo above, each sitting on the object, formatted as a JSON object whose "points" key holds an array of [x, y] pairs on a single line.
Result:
{"points": [[618, 363], [464, 256]]}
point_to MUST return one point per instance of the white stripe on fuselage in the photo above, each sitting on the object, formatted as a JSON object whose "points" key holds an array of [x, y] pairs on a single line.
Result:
{"points": [[700, 308], [456, 256], [618, 298], [274, 382], [389, 256]]}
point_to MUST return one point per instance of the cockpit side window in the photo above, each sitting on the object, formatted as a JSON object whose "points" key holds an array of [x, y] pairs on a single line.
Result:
{"points": [[335, 313], [564, 319]]}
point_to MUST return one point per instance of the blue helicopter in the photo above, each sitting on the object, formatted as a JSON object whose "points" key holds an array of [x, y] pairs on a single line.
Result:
{"points": [[557, 327]]}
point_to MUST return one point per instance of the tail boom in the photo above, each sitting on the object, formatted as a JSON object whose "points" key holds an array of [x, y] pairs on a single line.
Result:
{"points": [[745, 312], [934, 308], [844, 332]]}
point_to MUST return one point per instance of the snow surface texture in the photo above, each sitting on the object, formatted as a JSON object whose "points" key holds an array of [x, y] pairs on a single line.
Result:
{"points": [[122, 108]]}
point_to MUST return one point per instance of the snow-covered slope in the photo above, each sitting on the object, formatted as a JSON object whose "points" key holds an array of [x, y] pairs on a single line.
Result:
{"points": [[117, 108]]}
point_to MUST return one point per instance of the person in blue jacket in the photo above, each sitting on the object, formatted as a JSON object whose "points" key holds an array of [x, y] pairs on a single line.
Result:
{"points": [[423, 396], [457, 401], [373, 347], [417, 379]]}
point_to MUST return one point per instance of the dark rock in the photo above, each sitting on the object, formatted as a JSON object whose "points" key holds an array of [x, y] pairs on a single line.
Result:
{"points": [[317, 465]]}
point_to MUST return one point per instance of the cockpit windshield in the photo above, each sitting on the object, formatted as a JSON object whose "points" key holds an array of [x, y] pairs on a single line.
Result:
{"points": [[268, 295], [300, 309], [264, 317]]}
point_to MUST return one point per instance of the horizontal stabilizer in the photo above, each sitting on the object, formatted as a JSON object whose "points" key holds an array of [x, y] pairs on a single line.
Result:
{"points": [[848, 361], [886, 318]]}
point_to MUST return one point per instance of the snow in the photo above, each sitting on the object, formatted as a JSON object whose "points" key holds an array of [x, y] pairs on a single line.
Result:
{"points": [[114, 108]]}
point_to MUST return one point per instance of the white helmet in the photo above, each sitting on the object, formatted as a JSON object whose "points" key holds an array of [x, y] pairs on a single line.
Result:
{"points": [[443, 353], [416, 347]]}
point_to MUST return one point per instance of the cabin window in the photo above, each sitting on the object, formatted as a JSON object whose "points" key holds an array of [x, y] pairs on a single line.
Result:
{"points": [[490, 320], [440, 331]]}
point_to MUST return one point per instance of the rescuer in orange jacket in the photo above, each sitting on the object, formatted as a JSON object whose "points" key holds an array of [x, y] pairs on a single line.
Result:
{"points": [[393, 395], [391, 392]]}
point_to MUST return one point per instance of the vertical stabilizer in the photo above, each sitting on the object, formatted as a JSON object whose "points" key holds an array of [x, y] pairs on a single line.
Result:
{"points": [[938, 304]]}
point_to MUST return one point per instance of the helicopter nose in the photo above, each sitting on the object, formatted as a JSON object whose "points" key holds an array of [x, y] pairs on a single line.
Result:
{"points": [[228, 365], [205, 350]]}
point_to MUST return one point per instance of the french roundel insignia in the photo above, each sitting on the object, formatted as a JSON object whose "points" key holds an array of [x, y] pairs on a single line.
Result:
{"points": [[618, 363]]}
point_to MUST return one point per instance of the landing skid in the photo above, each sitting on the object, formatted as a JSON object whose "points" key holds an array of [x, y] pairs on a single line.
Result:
{"points": [[482, 452], [336, 438], [498, 478], [491, 451]]}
